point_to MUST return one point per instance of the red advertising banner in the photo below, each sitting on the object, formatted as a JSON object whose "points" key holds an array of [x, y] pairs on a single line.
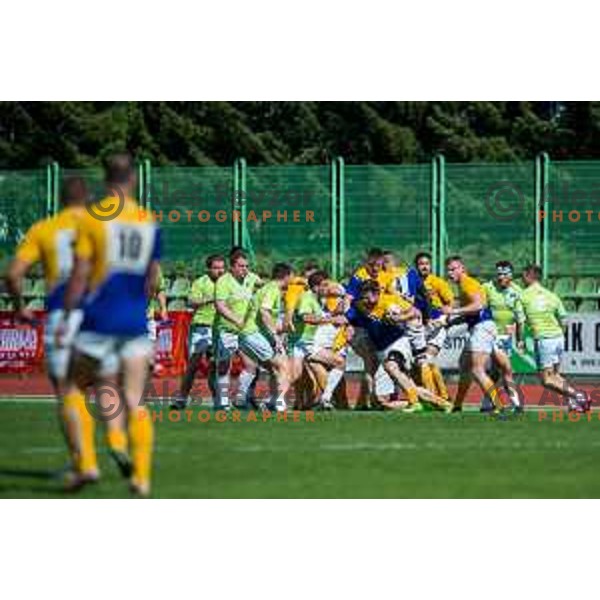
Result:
{"points": [[21, 344]]}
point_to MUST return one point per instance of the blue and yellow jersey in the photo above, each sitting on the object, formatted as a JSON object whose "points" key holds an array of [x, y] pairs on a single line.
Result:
{"points": [[382, 331], [51, 241], [469, 287], [120, 252], [439, 293], [361, 275]]}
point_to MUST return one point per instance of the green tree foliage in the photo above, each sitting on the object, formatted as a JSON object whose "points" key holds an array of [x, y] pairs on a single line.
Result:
{"points": [[80, 134]]}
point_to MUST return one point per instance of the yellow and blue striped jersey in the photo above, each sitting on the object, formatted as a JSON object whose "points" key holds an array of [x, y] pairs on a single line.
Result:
{"points": [[120, 252], [50, 241]]}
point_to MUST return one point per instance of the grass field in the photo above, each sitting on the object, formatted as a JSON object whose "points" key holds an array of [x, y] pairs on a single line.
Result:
{"points": [[339, 455]]}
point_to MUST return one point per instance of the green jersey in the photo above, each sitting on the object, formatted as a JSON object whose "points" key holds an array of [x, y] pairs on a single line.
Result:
{"points": [[505, 304], [237, 295], [154, 304], [307, 305], [544, 311], [203, 290], [267, 298]]}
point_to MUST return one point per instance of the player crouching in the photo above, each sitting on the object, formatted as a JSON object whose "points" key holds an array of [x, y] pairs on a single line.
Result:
{"points": [[384, 317]]}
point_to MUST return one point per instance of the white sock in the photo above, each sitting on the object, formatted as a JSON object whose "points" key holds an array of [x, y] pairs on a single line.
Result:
{"points": [[333, 379], [222, 398], [246, 379]]}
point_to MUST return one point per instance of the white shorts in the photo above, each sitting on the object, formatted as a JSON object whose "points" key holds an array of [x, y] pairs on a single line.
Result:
{"points": [[325, 336], [110, 350], [302, 349], [227, 344], [256, 346], [57, 359], [436, 336], [200, 339], [549, 351], [402, 346], [482, 337], [384, 385]]}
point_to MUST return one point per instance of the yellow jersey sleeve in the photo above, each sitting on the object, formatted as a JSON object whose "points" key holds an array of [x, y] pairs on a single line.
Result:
{"points": [[442, 292], [469, 289], [30, 249]]}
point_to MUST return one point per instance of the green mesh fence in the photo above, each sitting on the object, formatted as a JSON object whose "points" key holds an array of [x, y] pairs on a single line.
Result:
{"points": [[193, 206], [573, 240], [23, 200], [490, 214], [298, 227], [389, 207]]}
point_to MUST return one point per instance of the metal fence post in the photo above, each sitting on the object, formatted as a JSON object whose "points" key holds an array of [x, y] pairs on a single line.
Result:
{"points": [[341, 169], [242, 236], [434, 205], [55, 187], [441, 194], [147, 187], [333, 206], [545, 234], [49, 191]]}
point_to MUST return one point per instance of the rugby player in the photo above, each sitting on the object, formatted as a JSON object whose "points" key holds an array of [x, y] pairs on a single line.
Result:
{"points": [[117, 269], [504, 300], [260, 338], [384, 317], [202, 301], [50, 241], [545, 314], [438, 294], [233, 292], [473, 310]]}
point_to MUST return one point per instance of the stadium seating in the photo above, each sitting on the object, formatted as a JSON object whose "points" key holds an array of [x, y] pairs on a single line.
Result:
{"points": [[587, 306], [570, 305], [564, 286]]}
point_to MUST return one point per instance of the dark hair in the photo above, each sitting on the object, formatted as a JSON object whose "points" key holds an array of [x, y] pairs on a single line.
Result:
{"points": [[119, 169], [74, 189], [455, 258], [504, 264], [534, 270], [374, 254], [421, 255], [370, 286], [234, 256], [236, 250], [317, 278], [214, 258], [281, 270]]}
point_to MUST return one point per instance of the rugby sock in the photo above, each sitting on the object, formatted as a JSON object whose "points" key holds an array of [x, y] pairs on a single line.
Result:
{"points": [[440, 384], [427, 377], [333, 379], [246, 379], [512, 394], [141, 438], [412, 396], [80, 428], [116, 439]]}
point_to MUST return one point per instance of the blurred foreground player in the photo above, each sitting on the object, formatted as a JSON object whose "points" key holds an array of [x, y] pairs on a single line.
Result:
{"points": [[117, 269], [50, 241]]}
